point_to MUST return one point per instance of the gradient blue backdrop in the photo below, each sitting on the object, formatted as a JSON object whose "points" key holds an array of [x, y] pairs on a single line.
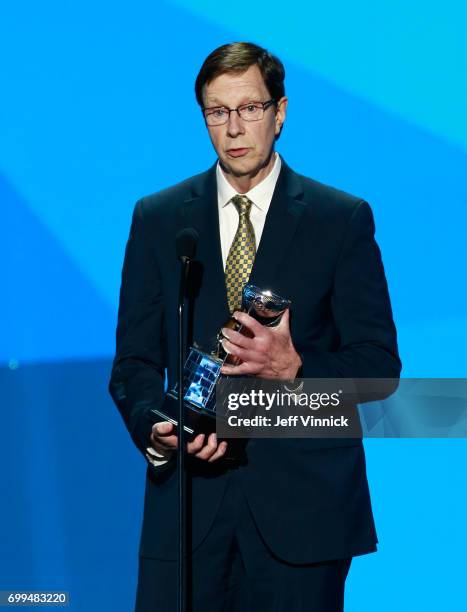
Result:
{"points": [[377, 107]]}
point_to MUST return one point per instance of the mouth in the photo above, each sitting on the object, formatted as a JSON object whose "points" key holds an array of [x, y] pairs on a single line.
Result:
{"points": [[237, 152]]}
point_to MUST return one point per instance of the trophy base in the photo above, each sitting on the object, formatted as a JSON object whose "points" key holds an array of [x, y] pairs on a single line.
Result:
{"points": [[197, 422]]}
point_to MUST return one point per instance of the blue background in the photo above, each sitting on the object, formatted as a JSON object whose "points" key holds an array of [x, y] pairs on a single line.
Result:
{"points": [[377, 107]]}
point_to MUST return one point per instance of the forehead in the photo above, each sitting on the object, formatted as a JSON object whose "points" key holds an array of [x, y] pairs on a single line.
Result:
{"points": [[234, 88]]}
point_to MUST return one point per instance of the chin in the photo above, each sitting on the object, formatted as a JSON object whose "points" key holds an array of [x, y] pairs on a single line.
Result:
{"points": [[239, 167]]}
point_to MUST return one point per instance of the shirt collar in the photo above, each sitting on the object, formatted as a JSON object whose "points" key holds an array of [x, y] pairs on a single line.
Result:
{"points": [[260, 195]]}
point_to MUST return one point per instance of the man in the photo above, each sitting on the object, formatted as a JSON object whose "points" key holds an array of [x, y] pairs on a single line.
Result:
{"points": [[277, 531]]}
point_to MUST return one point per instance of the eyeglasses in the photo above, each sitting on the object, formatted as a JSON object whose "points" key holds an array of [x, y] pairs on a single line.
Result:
{"points": [[251, 111]]}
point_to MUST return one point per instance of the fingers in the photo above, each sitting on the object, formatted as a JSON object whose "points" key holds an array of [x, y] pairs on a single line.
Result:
{"points": [[195, 445], [235, 343], [209, 448], [164, 441], [220, 452], [162, 429], [162, 437], [211, 451], [256, 350], [252, 324], [237, 338], [233, 349], [244, 368]]}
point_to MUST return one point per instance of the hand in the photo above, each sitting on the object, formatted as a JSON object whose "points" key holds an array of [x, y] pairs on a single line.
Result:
{"points": [[165, 443], [270, 353]]}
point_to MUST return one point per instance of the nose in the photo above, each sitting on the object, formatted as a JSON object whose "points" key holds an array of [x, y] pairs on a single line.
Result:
{"points": [[235, 125]]}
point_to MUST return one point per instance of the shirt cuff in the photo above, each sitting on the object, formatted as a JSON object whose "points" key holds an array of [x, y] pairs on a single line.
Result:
{"points": [[155, 458]]}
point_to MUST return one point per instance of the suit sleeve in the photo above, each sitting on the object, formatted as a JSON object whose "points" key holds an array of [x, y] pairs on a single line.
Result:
{"points": [[361, 311], [138, 371]]}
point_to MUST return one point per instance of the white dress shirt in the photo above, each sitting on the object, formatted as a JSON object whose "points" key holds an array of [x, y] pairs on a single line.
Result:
{"points": [[261, 196]]}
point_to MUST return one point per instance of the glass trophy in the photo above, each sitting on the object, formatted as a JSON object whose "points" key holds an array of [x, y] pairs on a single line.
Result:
{"points": [[203, 369]]}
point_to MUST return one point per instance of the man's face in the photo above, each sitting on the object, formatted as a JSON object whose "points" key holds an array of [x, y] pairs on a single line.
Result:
{"points": [[243, 147]]}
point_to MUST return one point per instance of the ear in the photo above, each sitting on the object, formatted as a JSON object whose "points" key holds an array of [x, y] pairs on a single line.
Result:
{"points": [[281, 111]]}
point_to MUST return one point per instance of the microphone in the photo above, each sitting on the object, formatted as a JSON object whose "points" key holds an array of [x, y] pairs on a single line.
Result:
{"points": [[186, 243]]}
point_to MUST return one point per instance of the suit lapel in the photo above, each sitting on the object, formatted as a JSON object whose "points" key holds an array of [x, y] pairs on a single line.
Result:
{"points": [[200, 211], [282, 220]]}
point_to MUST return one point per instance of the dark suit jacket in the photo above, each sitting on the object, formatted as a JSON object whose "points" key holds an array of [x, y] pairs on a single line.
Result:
{"points": [[309, 497]]}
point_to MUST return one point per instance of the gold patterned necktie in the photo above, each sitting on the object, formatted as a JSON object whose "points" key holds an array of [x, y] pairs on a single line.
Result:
{"points": [[241, 255]]}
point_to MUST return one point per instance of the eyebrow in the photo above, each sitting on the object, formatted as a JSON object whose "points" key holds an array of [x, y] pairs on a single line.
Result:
{"points": [[216, 104]]}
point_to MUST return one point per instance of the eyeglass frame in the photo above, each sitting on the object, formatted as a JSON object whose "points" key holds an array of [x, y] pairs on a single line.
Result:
{"points": [[265, 106]]}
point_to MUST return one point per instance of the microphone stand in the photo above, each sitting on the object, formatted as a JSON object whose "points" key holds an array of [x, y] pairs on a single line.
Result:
{"points": [[182, 523]]}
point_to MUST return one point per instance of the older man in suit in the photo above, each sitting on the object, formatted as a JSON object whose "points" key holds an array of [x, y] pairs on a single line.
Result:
{"points": [[275, 531]]}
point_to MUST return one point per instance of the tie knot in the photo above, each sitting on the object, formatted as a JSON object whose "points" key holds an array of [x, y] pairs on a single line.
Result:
{"points": [[242, 204]]}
